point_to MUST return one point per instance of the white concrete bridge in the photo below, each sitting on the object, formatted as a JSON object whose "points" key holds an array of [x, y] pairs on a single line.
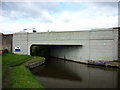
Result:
{"points": [[73, 45]]}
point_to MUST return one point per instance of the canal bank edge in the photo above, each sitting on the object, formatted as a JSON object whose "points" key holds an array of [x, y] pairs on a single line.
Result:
{"points": [[10, 60], [96, 63], [105, 63], [89, 62], [35, 64]]}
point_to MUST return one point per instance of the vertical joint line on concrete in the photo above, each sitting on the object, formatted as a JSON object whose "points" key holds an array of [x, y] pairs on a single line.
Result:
{"points": [[113, 44], [89, 44], [11, 43], [118, 47], [27, 43]]}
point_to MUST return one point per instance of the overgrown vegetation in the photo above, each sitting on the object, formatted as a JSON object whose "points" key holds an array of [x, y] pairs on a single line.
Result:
{"points": [[40, 51], [20, 76]]}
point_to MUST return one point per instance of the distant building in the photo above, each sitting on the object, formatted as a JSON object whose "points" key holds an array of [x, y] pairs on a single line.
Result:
{"points": [[6, 42]]}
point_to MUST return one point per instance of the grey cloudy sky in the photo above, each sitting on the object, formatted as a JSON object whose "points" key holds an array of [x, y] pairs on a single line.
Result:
{"points": [[57, 16]]}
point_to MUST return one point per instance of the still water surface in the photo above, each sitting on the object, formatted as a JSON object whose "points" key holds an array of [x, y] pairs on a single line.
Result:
{"points": [[57, 73]]}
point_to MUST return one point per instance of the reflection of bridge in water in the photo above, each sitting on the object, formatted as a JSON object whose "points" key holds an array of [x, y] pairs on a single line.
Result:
{"points": [[57, 73], [80, 46]]}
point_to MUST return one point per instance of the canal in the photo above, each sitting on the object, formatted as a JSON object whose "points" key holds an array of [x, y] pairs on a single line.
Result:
{"points": [[57, 73]]}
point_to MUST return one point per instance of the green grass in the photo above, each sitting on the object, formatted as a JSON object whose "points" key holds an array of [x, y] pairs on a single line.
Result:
{"points": [[0, 59], [10, 59], [21, 77]]}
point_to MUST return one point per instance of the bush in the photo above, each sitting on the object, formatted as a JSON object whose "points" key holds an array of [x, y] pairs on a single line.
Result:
{"points": [[40, 51]]}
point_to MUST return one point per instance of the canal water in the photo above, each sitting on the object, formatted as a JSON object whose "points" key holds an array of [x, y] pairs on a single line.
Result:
{"points": [[57, 73]]}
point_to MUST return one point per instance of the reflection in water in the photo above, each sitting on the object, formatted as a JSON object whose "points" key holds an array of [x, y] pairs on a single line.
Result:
{"points": [[57, 73], [119, 79]]}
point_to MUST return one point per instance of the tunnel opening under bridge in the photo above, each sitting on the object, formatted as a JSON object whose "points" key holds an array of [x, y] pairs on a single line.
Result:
{"points": [[58, 51], [39, 50]]}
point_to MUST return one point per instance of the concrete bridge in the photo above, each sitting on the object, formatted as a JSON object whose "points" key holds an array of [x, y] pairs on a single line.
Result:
{"points": [[80, 46]]}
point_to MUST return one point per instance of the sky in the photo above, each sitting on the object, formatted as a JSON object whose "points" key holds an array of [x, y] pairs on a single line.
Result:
{"points": [[57, 16]]}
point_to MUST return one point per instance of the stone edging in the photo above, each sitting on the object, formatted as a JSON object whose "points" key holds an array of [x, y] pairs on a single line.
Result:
{"points": [[105, 63], [35, 64], [97, 63]]}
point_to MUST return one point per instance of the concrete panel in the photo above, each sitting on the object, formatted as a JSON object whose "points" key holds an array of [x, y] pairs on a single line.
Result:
{"points": [[58, 36], [101, 34], [115, 45], [118, 44], [21, 40], [20, 37], [101, 50], [23, 47]]}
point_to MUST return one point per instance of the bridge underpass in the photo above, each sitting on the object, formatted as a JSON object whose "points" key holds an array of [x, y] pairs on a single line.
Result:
{"points": [[58, 51]]}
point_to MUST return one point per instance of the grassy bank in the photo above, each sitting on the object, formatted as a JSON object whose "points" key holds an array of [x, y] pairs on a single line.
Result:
{"points": [[10, 60], [20, 76], [34, 59]]}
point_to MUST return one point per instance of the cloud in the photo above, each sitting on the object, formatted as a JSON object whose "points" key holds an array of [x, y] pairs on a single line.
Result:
{"points": [[57, 16], [27, 9]]}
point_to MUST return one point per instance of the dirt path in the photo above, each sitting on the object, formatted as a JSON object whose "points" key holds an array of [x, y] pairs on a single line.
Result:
{"points": [[6, 78]]}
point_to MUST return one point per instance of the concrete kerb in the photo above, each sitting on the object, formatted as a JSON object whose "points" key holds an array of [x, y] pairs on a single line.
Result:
{"points": [[105, 63], [35, 64], [95, 63]]}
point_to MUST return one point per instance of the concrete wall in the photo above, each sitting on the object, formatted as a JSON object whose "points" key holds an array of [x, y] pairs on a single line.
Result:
{"points": [[75, 45], [100, 45], [20, 40], [119, 44]]}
